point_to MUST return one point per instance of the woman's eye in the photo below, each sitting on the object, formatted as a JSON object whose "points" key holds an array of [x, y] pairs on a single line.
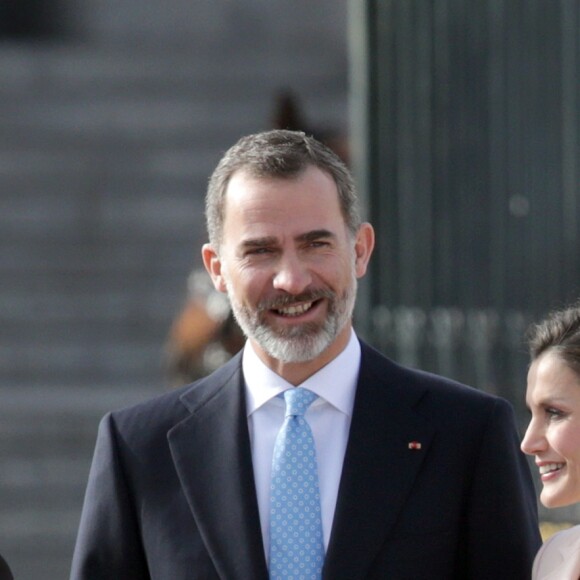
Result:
{"points": [[554, 413]]}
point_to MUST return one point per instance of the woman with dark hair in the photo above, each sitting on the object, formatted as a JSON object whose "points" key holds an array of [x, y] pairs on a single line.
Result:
{"points": [[553, 435]]}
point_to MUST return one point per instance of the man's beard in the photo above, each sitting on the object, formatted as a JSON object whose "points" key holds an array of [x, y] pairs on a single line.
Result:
{"points": [[303, 342]]}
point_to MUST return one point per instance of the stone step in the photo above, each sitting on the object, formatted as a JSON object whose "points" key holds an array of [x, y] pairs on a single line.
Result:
{"points": [[41, 483], [45, 551], [246, 25], [119, 94], [112, 260], [47, 437], [35, 162], [55, 362], [94, 310], [151, 215], [81, 403], [95, 70]]}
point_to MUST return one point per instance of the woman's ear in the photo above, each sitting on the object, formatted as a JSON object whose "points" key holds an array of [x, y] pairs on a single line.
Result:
{"points": [[213, 265]]}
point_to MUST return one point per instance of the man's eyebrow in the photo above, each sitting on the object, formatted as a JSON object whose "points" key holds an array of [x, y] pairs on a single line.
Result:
{"points": [[315, 235], [273, 240], [259, 242]]}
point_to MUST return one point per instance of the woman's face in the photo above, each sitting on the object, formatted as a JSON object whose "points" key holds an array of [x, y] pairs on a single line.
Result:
{"points": [[553, 435]]}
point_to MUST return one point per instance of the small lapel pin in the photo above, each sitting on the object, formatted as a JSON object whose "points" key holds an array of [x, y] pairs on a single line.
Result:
{"points": [[414, 445]]}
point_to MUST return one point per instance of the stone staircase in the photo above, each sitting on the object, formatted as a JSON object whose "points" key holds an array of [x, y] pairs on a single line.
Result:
{"points": [[46, 438], [105, 150]]}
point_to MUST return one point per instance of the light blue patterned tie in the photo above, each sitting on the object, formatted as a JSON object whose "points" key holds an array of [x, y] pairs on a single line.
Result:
{"points": [[296, 546]]}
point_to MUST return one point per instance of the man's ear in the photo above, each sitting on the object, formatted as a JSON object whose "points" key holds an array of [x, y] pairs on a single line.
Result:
{"points": [[213, 265], [363, 248]]}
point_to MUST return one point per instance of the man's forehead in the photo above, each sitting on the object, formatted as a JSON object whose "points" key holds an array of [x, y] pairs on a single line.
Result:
{"points": [[292, 209], [308, 192]]}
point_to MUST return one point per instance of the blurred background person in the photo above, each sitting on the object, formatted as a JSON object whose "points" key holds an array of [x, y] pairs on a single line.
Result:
{"points": [[204, 335], [289, 114]]}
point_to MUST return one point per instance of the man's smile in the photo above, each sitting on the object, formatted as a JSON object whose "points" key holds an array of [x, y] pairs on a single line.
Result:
{"points": [[294, 310]]}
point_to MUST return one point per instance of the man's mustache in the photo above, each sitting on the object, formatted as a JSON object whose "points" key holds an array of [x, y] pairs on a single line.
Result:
{"points": [[285, 300]]}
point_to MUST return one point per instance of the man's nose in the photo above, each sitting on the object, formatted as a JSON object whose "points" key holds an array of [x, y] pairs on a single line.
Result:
{"points": [[292, 275]]}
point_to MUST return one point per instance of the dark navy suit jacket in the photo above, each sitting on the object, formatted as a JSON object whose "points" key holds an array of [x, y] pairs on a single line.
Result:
{"points": [[433, 486]]}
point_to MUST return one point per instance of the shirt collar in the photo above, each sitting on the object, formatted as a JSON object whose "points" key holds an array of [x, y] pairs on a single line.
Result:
{"points": [[335, 382]]}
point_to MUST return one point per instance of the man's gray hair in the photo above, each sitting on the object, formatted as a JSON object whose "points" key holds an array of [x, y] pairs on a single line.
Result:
{"points": [[277, 154]]}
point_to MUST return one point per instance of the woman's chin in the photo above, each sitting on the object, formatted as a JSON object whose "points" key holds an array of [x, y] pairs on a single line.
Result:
{"points": [[553, 501]]}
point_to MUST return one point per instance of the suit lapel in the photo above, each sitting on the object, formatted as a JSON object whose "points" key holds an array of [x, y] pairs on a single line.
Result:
{"points": [[211, 451], [379, 469]]}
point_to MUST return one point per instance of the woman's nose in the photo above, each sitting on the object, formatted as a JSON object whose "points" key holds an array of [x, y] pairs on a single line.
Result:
{"points": [[534, 440]]}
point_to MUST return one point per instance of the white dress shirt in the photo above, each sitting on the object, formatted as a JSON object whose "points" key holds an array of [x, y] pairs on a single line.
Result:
{"points": [[329, 418]]}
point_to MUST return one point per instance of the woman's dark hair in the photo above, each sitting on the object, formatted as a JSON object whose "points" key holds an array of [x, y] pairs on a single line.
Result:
{"points": [[559, 332]]}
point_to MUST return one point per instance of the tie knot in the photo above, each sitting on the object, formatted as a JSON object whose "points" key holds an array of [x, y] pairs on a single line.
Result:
{"points": [[298, 400]]}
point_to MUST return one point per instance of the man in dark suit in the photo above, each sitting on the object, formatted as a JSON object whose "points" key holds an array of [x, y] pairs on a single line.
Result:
{"points": [[419, 477]]}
